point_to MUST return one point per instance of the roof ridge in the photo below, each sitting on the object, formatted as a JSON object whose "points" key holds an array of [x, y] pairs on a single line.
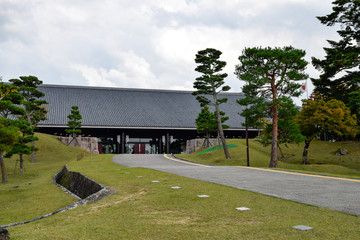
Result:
{"points": [[125, 89]]}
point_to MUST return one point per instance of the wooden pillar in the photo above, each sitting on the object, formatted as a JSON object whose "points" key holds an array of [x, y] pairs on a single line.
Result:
{"points": [[167, 139], [160, 145], [118, 144], [123, 141]]}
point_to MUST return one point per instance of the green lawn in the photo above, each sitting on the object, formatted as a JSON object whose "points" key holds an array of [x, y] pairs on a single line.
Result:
{"points": [[321, 154], [145, 210]]}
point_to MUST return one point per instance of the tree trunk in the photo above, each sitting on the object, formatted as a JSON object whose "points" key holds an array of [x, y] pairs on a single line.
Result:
{"points": [[305, 159], [33, 142], [207, 143], [220, 128], [21, 163], [247, 145], [3, 172], [33, 152], [274, 143], [282, 154]]}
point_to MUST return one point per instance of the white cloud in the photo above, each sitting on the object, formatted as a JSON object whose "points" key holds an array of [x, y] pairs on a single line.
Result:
{"points": [[147, 44], [133, 72], [94, 77]]}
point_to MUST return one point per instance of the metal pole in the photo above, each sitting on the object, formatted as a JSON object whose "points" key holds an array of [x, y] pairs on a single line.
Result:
{"points": [[247, 145]]}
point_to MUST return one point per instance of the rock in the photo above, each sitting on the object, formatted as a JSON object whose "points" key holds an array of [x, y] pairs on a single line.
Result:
{"points": [[4, 234], [341, 151]]}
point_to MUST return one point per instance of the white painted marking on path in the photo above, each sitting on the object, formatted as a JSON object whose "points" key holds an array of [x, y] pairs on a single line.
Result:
{"points": [[186, 162]]}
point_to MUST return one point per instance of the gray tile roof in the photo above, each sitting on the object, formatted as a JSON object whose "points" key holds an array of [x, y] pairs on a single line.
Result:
{"points": [[130, 108]]}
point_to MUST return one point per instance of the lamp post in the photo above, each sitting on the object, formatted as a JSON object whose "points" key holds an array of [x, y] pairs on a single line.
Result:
{"points": [[247, 143]]}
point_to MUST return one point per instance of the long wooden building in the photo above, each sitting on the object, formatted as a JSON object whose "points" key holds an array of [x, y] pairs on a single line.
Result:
{"points": [[134, 120]]}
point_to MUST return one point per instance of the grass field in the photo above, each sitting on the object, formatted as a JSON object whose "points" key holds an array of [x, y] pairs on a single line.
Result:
{"points": [[145, 210], [321, 155]]}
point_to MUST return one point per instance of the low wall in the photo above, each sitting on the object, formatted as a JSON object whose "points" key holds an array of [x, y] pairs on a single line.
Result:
{"points": [[77, 183], [90, 144], [80, 186], [194, 144]]}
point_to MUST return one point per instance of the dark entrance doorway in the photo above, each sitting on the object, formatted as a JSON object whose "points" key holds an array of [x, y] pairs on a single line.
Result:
{"points": [[139, 148]]}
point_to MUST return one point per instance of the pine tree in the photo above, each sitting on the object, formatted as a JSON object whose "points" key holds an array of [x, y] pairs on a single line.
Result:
{"points": [[33, 104], [211, 84], [21, 147], [288, 129], [74, 124], [271, 74], [8, 137], [340, 75], [206, 123], [9, 106]]}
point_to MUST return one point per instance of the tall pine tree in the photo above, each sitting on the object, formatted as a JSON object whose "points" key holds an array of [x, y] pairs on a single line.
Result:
{"points": [[340, 70], [210, 84], [271, 73], [33, 104]]}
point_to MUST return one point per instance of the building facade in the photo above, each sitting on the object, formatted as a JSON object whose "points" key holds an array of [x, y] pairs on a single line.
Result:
{"points": [[134, 121]]}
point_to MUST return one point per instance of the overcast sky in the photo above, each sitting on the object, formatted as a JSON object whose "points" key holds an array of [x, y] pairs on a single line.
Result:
{"points": [[148, 43]]}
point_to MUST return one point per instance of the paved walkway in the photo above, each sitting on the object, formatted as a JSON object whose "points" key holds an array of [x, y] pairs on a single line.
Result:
{"points": [[339, 194]]}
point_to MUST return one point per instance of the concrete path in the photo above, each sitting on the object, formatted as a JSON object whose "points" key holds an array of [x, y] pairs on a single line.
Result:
{"points": [[339, 194]]}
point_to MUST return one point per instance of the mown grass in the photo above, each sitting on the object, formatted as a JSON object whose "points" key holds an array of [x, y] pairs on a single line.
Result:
{"points": [[32, 193], [145, 210], [321, 155]]}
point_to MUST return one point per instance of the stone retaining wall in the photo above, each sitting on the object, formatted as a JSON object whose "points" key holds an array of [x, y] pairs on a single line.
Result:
{"points": [[90, 144]]}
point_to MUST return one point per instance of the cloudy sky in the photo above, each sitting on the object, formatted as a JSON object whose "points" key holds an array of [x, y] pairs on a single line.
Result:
{"points": [[148, 43]]}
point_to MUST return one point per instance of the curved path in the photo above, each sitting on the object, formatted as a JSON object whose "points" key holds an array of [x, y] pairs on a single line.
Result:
{"points": [[341, 194]]}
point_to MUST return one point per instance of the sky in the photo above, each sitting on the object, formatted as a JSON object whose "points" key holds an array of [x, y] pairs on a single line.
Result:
{"points": [[149, 44]]}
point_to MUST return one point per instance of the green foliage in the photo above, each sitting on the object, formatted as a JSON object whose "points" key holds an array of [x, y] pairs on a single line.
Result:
{"points": [[255, 111], [8, 134], [9, 105], [288, 129], [10, 101], [21, 146], [319, 117], [6, 89], [34, 106], [354, 104], [340, 69], [74, 121], [211, 82], [206, 122], [333, 117], [269, 74]]}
